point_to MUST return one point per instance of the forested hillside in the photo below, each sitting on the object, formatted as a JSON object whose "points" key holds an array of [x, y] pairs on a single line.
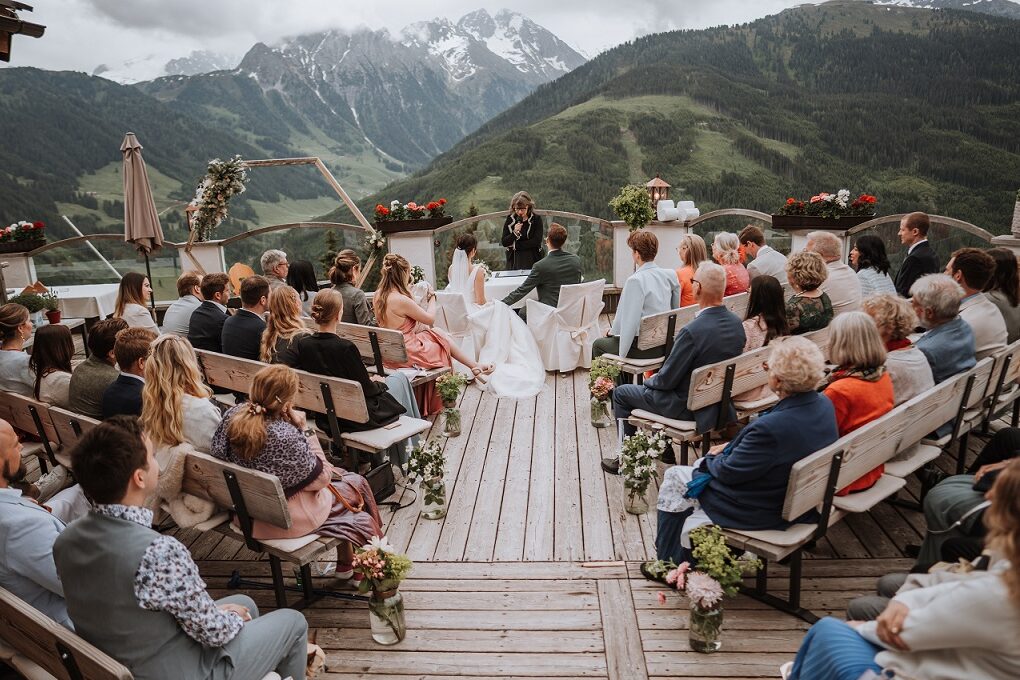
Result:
{"points": [[921, 108]]}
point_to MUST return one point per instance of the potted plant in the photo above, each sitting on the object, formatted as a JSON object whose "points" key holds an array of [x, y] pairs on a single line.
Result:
{"points": [[52, 306], [33, 302], [411, 216], [637, 466], [427, 465], [825, 210], [601, 381], [633, 206], [382, 569], [21, 237], [449, 387], [714, 574]]}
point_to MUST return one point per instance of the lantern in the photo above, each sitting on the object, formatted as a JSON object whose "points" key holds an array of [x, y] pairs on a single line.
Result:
{"points": [[658, 190]]}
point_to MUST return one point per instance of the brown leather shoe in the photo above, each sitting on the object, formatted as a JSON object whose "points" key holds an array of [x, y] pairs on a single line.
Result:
{"points": [[611, 465]]}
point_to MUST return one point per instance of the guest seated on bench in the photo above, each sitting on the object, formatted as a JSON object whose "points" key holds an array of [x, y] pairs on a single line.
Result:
{"points": [[15, 328], [714, 335], [205, 328], [267, 434], [51, 362], [765, 321], [124, 395], [743, 485], [809, 308], [965, 628], [906, 365], [326, 353], [137, 595], [91, 377], [344, 275], [242, 332], [27, 532], [859, 387], [283, 328], [949, 342]]}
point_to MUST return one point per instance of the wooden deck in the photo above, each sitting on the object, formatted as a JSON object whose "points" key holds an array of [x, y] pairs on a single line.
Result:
{"points": [[534, 571]]}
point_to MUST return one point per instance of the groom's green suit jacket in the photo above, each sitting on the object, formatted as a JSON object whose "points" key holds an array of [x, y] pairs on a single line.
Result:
{"points": [[558, 268]]}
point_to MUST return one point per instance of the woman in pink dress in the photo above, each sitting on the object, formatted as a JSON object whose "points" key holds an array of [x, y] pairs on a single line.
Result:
{"points": [[427, 347], [726, 251]]}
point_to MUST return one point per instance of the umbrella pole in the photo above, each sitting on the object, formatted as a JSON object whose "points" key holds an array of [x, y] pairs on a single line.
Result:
{"points": [[148, 273]]}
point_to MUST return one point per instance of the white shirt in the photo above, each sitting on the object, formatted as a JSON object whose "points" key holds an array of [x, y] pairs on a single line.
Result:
{"points": [[178, 315], [649, 290], [985, 319], [137, 316], [768, 262], [54, 388], [200, 420], [843, 288]]}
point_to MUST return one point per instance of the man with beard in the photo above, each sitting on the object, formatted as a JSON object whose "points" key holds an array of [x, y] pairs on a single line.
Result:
{"points": [[27, 533]]}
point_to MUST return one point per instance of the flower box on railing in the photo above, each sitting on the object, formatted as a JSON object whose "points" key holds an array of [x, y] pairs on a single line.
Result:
{"points": [[22, 246], [423, 224], [818, 222]]}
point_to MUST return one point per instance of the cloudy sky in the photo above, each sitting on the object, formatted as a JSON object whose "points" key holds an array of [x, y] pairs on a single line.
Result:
{"points": [[81, 34]]}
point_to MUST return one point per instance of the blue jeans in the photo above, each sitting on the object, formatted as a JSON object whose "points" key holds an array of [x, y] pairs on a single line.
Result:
{"points": [[834, 651]]}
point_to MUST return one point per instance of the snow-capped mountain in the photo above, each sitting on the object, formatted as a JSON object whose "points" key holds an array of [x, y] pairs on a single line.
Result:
{"points": [[151, 66], [411, 95], [200, 61], [1002, 8]]}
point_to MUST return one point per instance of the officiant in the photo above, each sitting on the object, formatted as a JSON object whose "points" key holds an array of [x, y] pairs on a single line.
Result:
{"points": [[523, 232]]}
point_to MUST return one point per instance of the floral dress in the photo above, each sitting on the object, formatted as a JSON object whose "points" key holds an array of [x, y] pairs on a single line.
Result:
{"points": [[806, 314]]}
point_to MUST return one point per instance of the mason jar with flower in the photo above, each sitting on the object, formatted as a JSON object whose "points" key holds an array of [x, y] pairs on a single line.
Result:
{"points": [[382, 570], [638, 459], [426, 464], [601, 381]]}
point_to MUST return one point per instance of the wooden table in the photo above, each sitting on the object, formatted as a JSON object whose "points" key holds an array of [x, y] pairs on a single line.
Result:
{"points": [[74, 325]]}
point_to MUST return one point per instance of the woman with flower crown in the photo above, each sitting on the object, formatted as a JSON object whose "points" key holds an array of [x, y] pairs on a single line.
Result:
{"points": [[266, 433], [427, 347], [502, 338]]}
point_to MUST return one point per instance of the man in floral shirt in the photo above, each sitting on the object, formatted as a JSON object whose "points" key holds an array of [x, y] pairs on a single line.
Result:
{"points": [[138, 596]]}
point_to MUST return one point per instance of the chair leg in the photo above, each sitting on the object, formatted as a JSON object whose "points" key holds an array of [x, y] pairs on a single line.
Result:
{"points": [[278, 584], [1016, 413], [792, 604], [961, 454]]}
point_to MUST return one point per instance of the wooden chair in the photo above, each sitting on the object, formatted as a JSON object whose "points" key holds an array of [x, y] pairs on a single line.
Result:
{"points": [[36, 646], [32, 416], [379, 346]]}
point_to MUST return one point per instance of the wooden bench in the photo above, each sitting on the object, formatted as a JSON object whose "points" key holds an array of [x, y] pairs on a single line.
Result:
{"points": [[720, 384], [333, 397], [971, 411], [815, 479], [660, 330], [32, 416], [1005, 392], [36, 645], [70, 426], [381, 346]]}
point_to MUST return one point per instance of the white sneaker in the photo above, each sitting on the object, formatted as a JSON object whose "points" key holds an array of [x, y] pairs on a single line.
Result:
{"points": [[52, 483], [785, 670]]}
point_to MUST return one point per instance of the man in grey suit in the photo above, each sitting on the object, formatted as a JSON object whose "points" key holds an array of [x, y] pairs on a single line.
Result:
{"points": [[558, 268], [715, 334]]}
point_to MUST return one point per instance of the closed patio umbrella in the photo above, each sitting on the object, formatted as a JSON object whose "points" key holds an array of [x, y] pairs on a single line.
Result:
{"points": [[141, 223]]}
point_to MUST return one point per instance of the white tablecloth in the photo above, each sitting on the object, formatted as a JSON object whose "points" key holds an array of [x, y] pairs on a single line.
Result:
{"points": [[87, 302], [499, 288]]}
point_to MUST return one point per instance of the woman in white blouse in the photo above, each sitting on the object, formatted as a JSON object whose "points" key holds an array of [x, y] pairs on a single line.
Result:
{"points": [[51, 363], [132, 297], [869, 259]]}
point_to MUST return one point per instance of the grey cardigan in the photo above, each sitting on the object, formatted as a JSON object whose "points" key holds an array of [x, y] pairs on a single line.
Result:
{"points": [[356, 309]]}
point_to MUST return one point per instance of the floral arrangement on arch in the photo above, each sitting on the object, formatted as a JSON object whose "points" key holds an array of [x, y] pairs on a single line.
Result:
{"points": [[23, 231], [602, 378], [223, 181], [375, 241], [637, 459], [410, 211], [829, 205]]}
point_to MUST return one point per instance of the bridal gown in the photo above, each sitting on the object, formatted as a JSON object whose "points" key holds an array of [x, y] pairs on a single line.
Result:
{"points": [[502, 338]]}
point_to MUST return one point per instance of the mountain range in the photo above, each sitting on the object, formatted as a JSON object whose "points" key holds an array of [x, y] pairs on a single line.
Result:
{"points": [[921, 108], [1000, 8]]}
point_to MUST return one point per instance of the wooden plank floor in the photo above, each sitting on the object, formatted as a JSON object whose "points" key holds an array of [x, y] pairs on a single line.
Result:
{"points": [[534, 571]]}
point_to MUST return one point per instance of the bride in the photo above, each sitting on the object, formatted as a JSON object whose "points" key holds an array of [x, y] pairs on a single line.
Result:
{"points": [[502, 338]]}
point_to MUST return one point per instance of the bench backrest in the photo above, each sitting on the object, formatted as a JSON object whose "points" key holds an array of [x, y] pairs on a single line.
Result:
{"points": [[17, 410], [70, 426], [1006, 371], [388, 344], [234, 373], [262, 492], [708, 382], [43, 641], [871, 445], [654, 329]]}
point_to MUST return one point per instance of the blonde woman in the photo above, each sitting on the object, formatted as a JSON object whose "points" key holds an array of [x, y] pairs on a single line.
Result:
{"points": [[175, 400], [427, 347], [907, 366], [134, 294], [726, 251], [267, 434], [809, 308], [283, 328], [693, 252]]}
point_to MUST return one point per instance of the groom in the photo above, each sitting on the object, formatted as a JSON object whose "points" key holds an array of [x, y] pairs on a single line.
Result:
{"points": [[558, 268]]}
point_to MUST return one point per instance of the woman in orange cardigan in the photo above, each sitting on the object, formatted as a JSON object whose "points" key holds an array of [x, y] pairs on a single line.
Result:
{"points": [[859, 388], [693, 252], [265, 433]]}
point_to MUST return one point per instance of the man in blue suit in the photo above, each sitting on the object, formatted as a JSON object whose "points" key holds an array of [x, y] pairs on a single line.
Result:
{"points": [[124, 395], [743, 485], [715, 334]]}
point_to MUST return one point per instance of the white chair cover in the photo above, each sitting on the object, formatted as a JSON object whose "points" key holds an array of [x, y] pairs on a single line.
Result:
{"points": [[452, 316], [565, 334]]}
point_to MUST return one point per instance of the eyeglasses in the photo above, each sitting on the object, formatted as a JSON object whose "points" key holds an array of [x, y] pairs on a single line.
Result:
{"points": [[696, 281]]}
